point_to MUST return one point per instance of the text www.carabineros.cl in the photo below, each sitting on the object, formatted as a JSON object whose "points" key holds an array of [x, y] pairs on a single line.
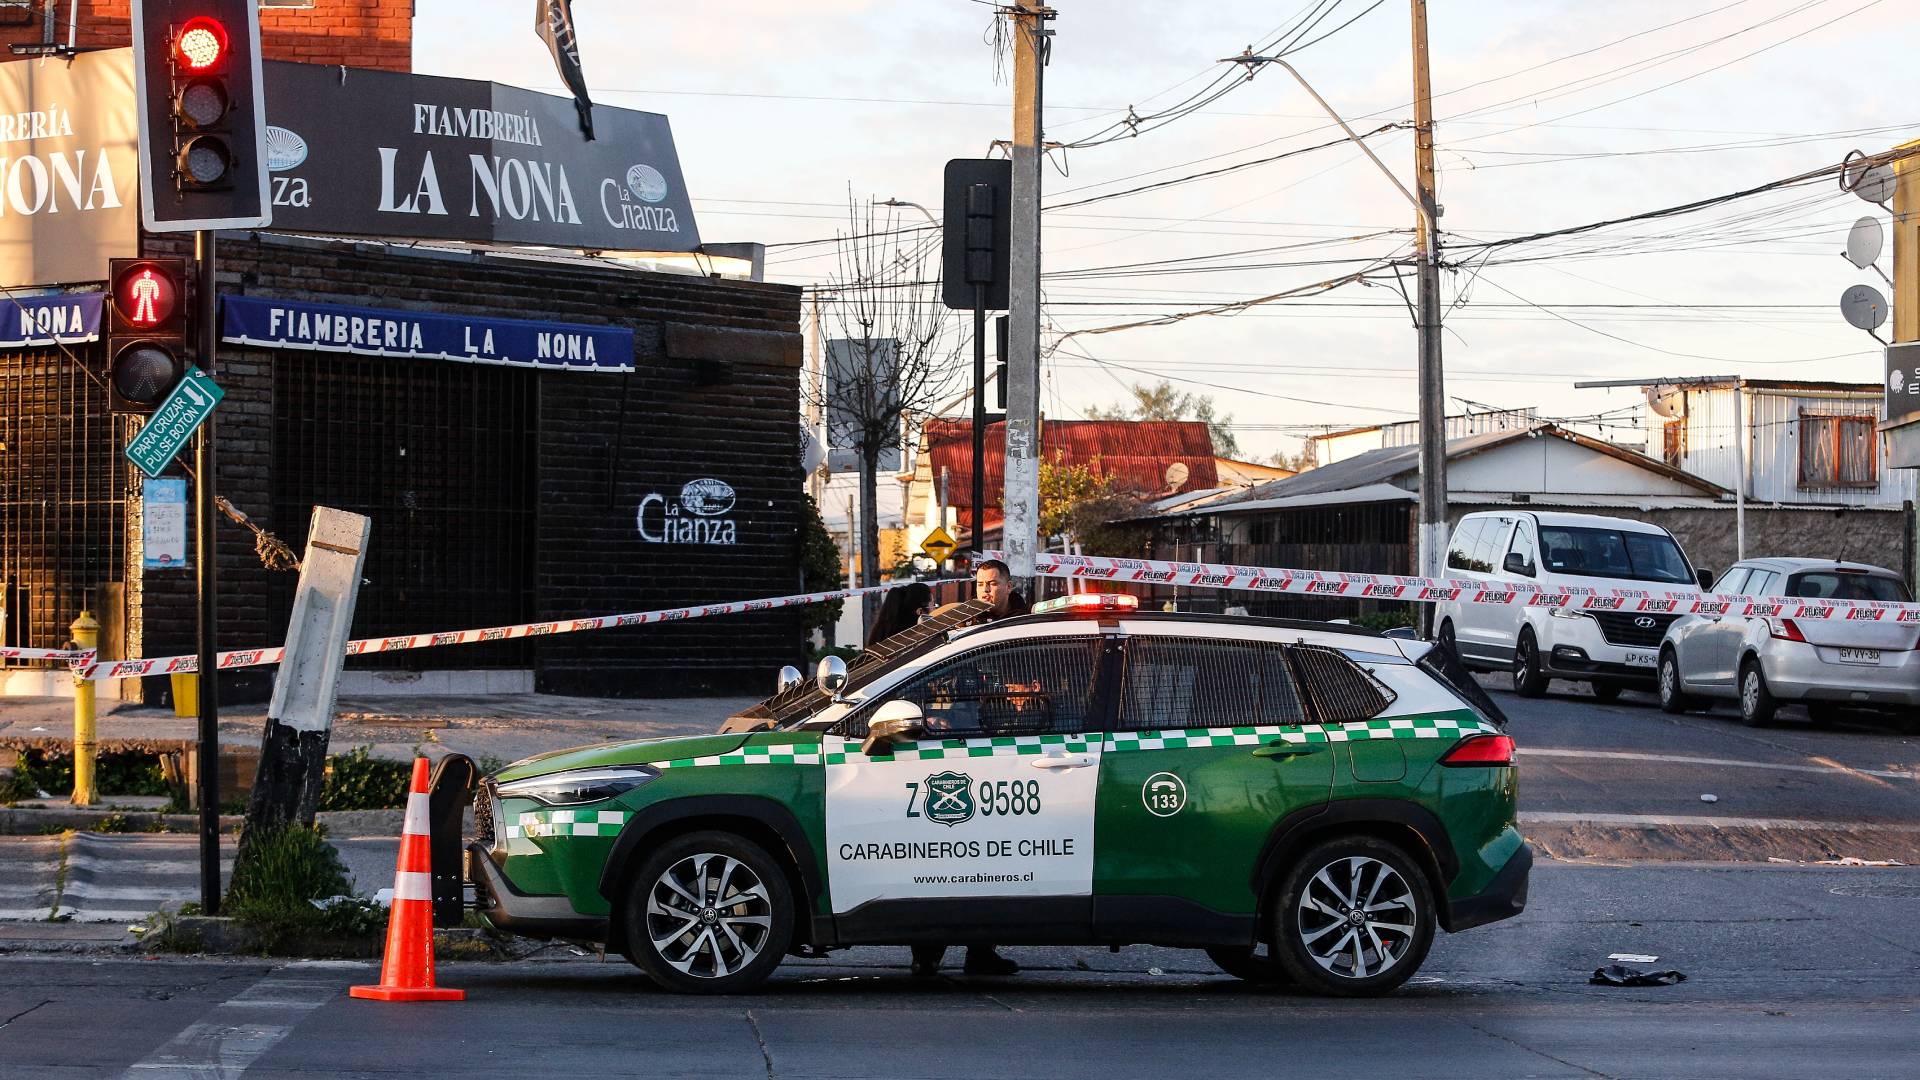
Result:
{"points": [[969, 879]]}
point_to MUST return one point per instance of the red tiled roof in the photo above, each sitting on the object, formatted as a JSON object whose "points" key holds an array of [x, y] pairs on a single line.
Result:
{"points": [[1135, 452]]}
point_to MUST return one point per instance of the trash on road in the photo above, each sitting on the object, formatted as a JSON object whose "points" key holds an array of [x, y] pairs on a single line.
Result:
{"points": [[1850, 860], [1632, 957], [1622, 975], [1709, 797]]}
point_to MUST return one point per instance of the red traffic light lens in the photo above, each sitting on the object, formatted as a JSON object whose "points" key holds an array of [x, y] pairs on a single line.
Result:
{"points": [[201, 43], [145, 295]]}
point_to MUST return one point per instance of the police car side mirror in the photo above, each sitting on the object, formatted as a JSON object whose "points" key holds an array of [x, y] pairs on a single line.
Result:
{"points": [[790, 677], [896, 721], [831, 676]]}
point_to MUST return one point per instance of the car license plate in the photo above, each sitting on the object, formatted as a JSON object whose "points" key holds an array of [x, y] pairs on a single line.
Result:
{"points": [[1641, 659], [1859, 656]]}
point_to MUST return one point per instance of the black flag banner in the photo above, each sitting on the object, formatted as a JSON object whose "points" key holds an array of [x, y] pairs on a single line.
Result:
{"points": [[553, 19]]}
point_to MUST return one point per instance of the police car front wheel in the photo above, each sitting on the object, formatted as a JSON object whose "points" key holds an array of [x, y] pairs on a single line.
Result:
{"points": [[708, 913], [1354, 917]]}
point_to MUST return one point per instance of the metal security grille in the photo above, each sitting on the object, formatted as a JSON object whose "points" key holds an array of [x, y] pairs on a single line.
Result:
{"points": [[63, 488], [1174, 683], [1020, 688], [1627, 628], [442, 457], [1342, 692]]}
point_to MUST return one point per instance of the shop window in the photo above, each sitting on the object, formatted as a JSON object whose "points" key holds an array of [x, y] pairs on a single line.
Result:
{"points": [[1838, 452]]}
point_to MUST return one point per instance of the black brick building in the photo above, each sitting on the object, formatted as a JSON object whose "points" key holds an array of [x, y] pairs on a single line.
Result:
{"points": [[498, 494]]}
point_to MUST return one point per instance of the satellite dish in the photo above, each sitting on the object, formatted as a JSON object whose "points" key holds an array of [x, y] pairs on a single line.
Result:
{"points": [[1177, 474], [1876, 184], [1864, 242], [1864, 307], [1667, 401]]}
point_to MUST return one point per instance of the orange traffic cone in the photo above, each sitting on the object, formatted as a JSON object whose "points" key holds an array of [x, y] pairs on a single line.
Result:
{"points": [[407, 972]]}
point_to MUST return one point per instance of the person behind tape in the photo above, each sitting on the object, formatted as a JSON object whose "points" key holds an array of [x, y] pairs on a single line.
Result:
{"points": [[993, 583], [903, 609]]}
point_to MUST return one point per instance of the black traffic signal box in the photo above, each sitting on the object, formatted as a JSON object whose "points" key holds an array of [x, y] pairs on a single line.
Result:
{"points": [[976, 233], [146, 331], [202, 115]]}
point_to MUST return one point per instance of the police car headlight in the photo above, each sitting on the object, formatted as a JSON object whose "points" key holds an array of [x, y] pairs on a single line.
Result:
{"points": [[576, 786], [1566, 613]]}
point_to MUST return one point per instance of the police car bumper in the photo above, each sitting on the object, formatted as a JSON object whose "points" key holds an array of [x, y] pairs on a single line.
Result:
{"points": [[1503, 898], [509, 909]]}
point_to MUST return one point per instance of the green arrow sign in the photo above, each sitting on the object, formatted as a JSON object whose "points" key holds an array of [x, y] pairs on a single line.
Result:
{"points": [[174, 422]]}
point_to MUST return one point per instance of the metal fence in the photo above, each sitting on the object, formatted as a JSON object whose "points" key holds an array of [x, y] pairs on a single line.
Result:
{"points": [[443, 458]]}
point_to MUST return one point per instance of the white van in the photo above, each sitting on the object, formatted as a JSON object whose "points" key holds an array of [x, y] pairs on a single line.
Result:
{"points": [[1610, 649]]}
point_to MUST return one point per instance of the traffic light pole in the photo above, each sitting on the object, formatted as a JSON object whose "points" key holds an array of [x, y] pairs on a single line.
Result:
{"points": [[979, 417], [206, 579]]}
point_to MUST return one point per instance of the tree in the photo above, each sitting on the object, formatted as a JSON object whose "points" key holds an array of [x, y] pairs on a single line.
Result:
{"points": [[1083, 505], [1298, 462], [820, 569], [901, 355], [1163, 402]]}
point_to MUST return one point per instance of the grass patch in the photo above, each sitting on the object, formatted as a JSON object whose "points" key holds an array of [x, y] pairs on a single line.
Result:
{"points": [[122, 773], [356, 780], [274, 888]]}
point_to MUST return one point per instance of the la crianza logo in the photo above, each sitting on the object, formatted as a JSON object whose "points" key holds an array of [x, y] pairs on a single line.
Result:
{"points": [[698, 516]]}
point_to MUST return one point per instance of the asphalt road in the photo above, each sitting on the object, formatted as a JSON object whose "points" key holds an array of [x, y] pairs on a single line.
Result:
{"points": [[1793, 972]]}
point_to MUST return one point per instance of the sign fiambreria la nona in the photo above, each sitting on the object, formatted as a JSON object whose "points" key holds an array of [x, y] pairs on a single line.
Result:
{"points": [[351, 152]]}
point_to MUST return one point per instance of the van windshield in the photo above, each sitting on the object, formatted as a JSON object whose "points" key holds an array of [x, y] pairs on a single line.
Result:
{"points": [[1611, 553]]}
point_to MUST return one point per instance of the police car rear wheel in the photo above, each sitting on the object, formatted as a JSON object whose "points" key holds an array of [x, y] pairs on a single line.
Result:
{"points": [[1355, 918], [708, 913], [1254, 964]]}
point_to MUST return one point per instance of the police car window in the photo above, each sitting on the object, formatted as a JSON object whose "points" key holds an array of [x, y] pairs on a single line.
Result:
{"points": [[1017, 688], [1174, 682], [1342, 691]]}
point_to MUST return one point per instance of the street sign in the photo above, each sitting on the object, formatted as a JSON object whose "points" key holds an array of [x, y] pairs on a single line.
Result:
{"points": [[938, 545], [174, 422]]}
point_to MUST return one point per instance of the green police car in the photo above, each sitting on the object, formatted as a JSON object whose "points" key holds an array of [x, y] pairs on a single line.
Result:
{"points": [[1304, 801]]}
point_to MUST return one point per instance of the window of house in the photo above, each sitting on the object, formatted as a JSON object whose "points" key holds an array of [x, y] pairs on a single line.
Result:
{"points": [[1673, 442], [1839, 451]]}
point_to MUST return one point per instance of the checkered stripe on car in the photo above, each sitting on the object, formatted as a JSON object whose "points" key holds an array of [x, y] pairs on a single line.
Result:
{"points": [[846, 751], [790, 754], [1399, 727], [568, 823]]}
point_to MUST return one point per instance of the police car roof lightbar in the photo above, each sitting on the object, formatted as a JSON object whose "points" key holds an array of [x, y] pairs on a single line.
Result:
{"points": [[1088, 603]]}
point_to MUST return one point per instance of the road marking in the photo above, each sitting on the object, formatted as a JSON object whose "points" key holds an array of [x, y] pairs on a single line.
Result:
{"points": [[237, 1032], [1622, 755], [1547, 817]]}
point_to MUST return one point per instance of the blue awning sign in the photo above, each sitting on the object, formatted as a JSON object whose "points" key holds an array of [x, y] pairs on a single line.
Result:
{"points": [[295, 324], [67, 319]]}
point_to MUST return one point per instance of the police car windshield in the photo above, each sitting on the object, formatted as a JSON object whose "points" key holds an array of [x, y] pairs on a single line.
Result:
{"points": [[1612, 553]]}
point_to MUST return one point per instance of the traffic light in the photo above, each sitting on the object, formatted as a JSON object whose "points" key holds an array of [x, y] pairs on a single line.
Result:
{"points": [[202, 115], [976, 235], [146, 330]]}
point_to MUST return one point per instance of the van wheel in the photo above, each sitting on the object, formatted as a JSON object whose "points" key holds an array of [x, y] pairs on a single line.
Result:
{"points": [[1528, 679], [1249, 963], [1354, 917], [1757, 703], [1672, 698], [708, 913], [1447, 640], [1607, 691]]}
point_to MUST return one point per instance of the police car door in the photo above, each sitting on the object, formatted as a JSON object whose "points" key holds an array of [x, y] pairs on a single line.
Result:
{"points": [[984, 822]]}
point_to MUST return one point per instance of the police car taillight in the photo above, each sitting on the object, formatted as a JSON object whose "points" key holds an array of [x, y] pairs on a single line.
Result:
{"points": [[1485, 751], [1088, 603]]}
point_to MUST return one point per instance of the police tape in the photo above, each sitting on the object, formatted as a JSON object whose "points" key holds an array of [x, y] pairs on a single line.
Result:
{"points": [[1463, 590], [67, 655], [240, 658]]}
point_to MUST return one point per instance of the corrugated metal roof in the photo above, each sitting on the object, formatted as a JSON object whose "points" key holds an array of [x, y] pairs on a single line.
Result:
{"points": [[1135, 452]]}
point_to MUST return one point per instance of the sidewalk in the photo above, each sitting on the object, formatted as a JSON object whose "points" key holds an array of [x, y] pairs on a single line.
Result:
{"points": [[506, 727]]}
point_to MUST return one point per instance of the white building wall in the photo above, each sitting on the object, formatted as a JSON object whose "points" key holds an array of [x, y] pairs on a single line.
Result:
{"points": [[1772, 422], [1549, 465]]}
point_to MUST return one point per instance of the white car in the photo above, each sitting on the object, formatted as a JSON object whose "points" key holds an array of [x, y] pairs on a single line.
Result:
{"points": [[1762, 661], [1611, 650]]}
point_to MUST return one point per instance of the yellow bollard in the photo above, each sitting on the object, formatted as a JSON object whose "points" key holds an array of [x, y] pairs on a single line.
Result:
{"points": [[86, 635]]}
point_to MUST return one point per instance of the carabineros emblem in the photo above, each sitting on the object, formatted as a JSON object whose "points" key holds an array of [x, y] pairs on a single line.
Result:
{"points": [[949, 798]]}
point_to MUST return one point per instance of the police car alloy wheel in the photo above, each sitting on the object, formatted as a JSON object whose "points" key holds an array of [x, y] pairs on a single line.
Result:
{"points": [[709, 912], [1355, 917]]}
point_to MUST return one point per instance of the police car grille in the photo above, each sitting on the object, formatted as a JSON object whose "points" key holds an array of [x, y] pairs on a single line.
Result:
{"points": [[1625, 628], [483, 813]]}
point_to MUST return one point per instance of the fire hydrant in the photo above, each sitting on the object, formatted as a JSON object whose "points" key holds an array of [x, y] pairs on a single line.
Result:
{"points": [[86, 635]]}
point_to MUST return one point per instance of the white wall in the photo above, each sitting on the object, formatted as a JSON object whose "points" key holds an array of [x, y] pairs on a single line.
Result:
{"points": [[1549, 465]]}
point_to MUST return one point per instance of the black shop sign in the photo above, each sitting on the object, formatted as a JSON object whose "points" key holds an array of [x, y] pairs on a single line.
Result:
{"points": [[374, 153]]}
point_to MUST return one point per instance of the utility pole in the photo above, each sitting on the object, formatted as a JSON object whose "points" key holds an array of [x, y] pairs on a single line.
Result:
{"points": [[1020, 506], [816, 412], [1433, 402]]}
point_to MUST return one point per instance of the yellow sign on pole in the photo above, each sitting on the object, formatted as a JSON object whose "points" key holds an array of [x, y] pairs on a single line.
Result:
{"points": [[938, 545]]}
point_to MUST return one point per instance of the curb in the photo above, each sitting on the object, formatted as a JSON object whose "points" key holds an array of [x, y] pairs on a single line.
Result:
{"points": [[30, 821]]}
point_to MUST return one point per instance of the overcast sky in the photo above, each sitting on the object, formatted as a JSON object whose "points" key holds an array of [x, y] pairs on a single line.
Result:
{"points": [[1550, 114]]}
